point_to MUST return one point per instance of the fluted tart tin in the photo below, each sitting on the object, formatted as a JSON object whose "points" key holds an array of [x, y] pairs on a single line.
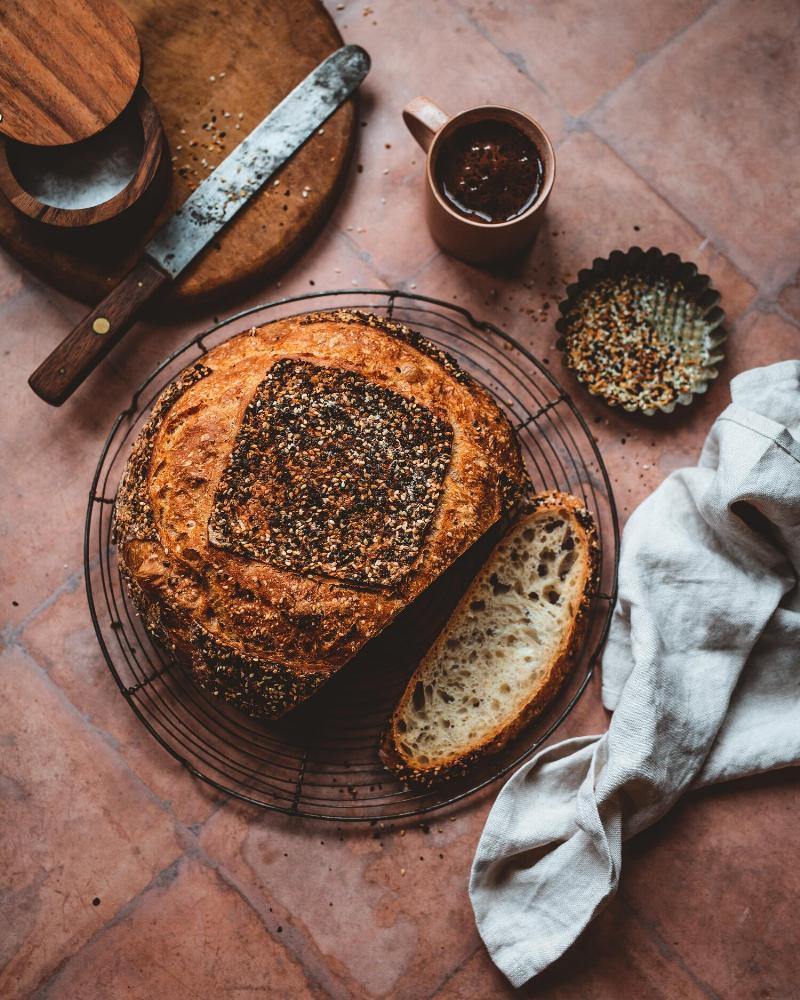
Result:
{"points": [[642, 330]]}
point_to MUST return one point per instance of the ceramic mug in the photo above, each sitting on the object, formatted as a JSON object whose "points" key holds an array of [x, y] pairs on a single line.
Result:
{"points": [[476, 242]]}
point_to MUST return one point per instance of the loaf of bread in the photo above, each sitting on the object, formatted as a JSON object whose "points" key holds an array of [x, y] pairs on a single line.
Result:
{"points": [[506, 649], [295, 489]]}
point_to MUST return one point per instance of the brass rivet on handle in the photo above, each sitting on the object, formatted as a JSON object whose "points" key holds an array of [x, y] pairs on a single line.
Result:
{"points": [[101, 325]]}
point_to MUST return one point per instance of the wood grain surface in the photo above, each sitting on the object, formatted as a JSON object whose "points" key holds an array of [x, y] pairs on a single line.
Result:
{"points": [[68, 68], [81, 352], [214, 71]]}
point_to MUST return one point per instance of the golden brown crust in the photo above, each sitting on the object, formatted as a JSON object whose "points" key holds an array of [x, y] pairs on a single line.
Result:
{"points": [[258, 623], [544, 504]]}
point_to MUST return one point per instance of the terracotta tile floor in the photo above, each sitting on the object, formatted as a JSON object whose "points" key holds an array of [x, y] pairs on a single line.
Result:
{"points": [[676, 124]]}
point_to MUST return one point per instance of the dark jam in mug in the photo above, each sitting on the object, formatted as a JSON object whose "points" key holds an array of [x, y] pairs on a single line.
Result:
{"points": [[489, 171]]}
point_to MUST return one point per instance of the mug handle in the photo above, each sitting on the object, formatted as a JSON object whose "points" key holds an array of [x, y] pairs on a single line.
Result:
{"points": [[423, 119]]}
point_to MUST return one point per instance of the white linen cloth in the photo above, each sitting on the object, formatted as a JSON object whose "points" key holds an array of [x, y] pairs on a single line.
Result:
{"points": [[701, 669]]}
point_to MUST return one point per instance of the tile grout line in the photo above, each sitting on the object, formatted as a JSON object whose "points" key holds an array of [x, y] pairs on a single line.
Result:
{"points": [[576, 122], [769, 307], [751, 308], [582, 123], [14, 638], [401, 284], [789, 283], [716, 242], [11, 633], [668, 952], [585, 122], [777, 308], [334, 989], [519, 64], [674, 39], [187, 839], [361, 254], [648, 927], [757, 302], [454, 972], [187, 831], [405, 283], [162, 879], [109, 742]]}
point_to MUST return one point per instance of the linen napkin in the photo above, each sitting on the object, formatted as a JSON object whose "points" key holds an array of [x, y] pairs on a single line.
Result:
{"points": [[701, 670]]}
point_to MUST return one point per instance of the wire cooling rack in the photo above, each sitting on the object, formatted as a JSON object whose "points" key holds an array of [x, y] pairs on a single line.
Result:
{"points": [[322, 760]]}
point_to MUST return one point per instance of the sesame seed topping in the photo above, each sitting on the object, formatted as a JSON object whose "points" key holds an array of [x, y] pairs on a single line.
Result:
{"points": [[638, 341], [332, 474]]}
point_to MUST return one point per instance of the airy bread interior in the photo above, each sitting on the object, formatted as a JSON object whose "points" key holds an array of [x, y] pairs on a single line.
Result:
{"points": [[500, 644]]}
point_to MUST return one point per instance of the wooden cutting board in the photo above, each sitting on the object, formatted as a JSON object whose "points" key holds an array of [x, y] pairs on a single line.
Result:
{"points": [[214, 70]]}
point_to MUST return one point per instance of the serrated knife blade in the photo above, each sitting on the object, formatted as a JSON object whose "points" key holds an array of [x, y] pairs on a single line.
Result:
{"points": [[220, 196]]}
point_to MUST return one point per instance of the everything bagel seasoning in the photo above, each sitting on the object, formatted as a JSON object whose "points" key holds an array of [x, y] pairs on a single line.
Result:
{"points": [[637, 341]]}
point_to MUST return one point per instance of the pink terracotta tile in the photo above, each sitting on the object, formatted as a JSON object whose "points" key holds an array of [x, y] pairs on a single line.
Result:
{"points": [[12, 277], [725, 155], [701, 911], [44, 466], [189, 936], [789, 298], [434, 33], [335, 261], [50, 453], [412, 48], [63, 641], [476, 979], [615, 957], [77, 827], [717, 880], [578, 51], [598, 205], [385, 911], [599, 194]]}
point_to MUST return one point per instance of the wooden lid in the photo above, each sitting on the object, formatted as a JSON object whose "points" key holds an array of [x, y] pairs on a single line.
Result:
{"points": [[68, 68]]}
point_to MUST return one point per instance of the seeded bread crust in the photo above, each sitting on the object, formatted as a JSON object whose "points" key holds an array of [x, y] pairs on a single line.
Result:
{"points": [[259, 633], [536, 510]]}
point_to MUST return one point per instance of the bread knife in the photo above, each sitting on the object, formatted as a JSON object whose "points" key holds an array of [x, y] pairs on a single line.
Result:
{"points": [[210, 206]]}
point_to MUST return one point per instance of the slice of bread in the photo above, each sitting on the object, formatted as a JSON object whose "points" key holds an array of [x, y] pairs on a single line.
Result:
{"points": [[507, 647]]}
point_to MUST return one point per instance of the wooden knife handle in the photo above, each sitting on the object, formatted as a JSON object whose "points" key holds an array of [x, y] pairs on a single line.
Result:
{"points": [[60, 374]]}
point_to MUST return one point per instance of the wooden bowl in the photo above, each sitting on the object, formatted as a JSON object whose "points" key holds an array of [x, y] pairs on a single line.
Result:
{"points": [[140, 127]]}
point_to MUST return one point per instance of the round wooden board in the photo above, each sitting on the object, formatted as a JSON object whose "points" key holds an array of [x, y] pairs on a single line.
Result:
{"points": [[201, 62]]}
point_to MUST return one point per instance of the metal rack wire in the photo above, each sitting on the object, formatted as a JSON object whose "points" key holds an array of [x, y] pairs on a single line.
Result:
{"points": [[322, 760]]}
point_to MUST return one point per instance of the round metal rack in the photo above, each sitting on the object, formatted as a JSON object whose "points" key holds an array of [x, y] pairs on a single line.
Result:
{"points": [[322, 759]]}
